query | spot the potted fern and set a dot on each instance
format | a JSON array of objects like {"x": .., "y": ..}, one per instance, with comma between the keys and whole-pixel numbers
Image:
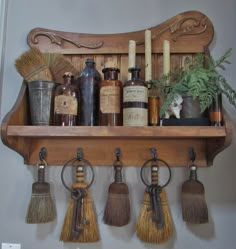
[{"x": 196, "y": 80}]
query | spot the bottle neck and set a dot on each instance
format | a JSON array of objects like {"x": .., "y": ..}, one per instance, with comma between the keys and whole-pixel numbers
[
  {"x": 67, "y": 81},
  {"x": 89, "y": 64},
  {"x": 135, "y": 75},
  {"x": 111, "y": 75}
]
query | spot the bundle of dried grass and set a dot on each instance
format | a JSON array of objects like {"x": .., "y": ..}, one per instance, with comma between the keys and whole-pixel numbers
[
  {"x": 32, "y": 66},
  {"x": 194, "y": 207}
]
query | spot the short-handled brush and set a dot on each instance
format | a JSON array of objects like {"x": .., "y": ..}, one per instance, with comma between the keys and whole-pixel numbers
[
  {"x": 32, "y": 66},
  {"x": 194, "y": 207},
  {"x": 80, "y": 223},
  {"x": 117, "y": 209},
  {"x": 154, "y": 223},
  {"x": 41, "y": 207}
]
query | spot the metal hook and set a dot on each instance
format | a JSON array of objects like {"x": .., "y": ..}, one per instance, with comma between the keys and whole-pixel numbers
[
  {"x": 80, "y": 154},
  {"x": 192, "y": 154},
  {"x": 42, "y": 154},
  {"x": 154, "y": 153},
  {"x": 117, "y": 152}
]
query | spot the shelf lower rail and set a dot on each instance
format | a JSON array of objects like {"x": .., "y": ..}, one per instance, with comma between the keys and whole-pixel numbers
[{"x": 99, "y": 143}]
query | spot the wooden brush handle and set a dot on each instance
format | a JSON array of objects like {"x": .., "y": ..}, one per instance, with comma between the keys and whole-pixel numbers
[
  {"x": 80, "y": 174},
  {"x": 154, "y": 174},
  {"x": 41, "y": 173},
  {"x": 118, "y": 175},
  {"x": 193, "y": 173}
]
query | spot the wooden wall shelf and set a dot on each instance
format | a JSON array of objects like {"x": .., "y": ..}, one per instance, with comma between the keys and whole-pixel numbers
[{"x": 99, "y": 143}]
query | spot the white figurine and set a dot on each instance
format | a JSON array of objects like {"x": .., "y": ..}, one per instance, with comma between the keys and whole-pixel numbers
[{"x": 175, "y": 107}]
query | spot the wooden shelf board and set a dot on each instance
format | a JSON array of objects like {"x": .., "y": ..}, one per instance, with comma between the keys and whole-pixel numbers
[{"x": 103, "y": 132}]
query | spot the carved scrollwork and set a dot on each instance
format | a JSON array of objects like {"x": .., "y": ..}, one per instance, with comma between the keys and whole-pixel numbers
[
  {"x": 188, "y": 26},
  {"x": 59, "y": 39},
  {"x": 182, "y": 27}
]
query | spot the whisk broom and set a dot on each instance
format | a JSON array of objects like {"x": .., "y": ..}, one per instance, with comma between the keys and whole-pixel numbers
[
  {"x": 80, "y": 223},
  {"x": 117, "y": 209},
  {"x": 59, "y": 66},
  {"x": 194, "y": 207},
  {"x": 41, "y": 207},
  {"x": 32, "y": 66},
  {"x": 154, "y": 223}
]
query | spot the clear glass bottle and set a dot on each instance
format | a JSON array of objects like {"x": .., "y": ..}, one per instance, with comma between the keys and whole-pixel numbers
[
  {"x": 135, "y": 100},
  {"x": 66, "y": 102},
  {"x": 88, "y": 84},
  {"x": 110, "y": 111}
]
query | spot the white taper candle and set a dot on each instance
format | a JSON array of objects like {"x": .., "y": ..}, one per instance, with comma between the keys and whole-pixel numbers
[
  {"x": 131, "y": 56},
  {"x": 166, "y": 57},
  {"x": 148, "y": 55}
]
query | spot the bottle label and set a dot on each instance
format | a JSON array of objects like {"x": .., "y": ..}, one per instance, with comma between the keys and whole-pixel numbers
[
  {"x": 135, "y": 117},
  {"x": 65, "y": 105},
  {"x": 135, "y": 94},
  {"x": 110, "y": 99}
]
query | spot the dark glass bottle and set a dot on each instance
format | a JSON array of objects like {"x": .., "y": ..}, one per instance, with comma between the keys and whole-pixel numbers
[
  {"x": 135, "y": 100},
  {"x": 110, "y": 111},
  {"x": 88, "y": 84},
  {"x": 66, "y": 103},
  {"x": 216, "y": 112}
]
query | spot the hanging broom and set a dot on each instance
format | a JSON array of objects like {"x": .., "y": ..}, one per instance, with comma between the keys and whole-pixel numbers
[
  {"x": 80, "y": 223},
  {"x": 32, "y": 66},
  {"x": 154, "y": 223},
  {"x": 117, "y": 209},
  {"x": 41, "y": 207},
  {"x": 194, "y": 207}
]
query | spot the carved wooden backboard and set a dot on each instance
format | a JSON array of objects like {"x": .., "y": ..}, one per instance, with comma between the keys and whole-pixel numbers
[{"x": 189, "y": 33}]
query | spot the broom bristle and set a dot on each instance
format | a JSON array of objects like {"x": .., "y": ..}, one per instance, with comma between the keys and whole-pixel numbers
[
  {"x": 50, "y": 58},
  {"x": 90, "y": 232},
  {"x": 60, "y": 66},
  {"x": 194, "y": 207},
  {"x": 41, "y": 207},
  {"x": 117, "y": 209},
  {"x": 146, "y": 228},
  {"x": 31, "y": 65}
]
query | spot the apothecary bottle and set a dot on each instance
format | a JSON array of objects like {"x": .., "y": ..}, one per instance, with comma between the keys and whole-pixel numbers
[
  {"x": 88, "y": 83},
  {"x": 135, "y": 100},
  {"x": 216, "y": 112},
  {"x": 66, "y": 102},
  {"x": 110, "y": 111}
]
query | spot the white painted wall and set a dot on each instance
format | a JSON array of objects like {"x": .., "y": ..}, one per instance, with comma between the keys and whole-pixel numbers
[
  {"x": 3, "y": 24},
  {"x": 110, "y": 16}
]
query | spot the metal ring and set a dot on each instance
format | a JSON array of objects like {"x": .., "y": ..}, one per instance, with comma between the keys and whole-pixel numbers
[
  {"x": 151, "y": 160},
  {"x": 87, "y": 163}
]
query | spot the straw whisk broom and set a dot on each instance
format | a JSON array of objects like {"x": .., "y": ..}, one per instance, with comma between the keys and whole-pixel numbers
[
  {"x": 117, "y": 208},
  {"x": 41, "y": 208},
  {"x": 59, "y": 65},
  {"x": 154, "y": 223},
  {"x": 194, "y": 207},
  {"x": 32, "y": 66},
  {"x": 80, "y": 223}
]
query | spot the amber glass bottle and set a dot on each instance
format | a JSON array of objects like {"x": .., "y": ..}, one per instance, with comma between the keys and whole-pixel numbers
[
  {"x": 66, "y": 104},
  {"x": 135, "y": 100},
  {"x": 216, "y": 112},
  {"x": 110, "y": 112},
  {"x": 88, "y": 84}
]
